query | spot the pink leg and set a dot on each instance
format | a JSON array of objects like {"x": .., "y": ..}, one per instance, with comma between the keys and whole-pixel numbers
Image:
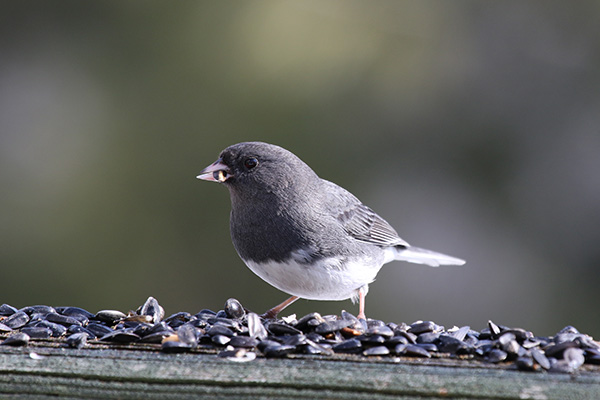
[
  {"x": 272, "y": 313},
  {"x": 361, "y": 305}
]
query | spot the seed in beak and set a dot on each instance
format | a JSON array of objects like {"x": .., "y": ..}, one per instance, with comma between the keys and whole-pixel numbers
[{"x": 220, "y": 175}]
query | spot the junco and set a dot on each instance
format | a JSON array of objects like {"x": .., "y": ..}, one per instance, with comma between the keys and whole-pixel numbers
[{"x": 302, "y": 234}]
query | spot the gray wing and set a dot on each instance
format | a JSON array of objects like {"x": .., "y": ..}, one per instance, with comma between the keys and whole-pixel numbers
[
  {"x": 365, "y": 225},
  {"x": 360, "y": 221}
]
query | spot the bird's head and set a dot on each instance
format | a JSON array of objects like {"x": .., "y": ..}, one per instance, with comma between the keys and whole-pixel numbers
[{"x": 257, "y": 167}]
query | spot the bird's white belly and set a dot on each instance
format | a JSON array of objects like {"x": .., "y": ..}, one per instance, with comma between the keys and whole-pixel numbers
[{"x": 326, "y": 279}]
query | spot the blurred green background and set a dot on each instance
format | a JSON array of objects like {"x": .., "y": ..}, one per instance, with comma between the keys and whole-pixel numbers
[{"x": 472, "y": 127}]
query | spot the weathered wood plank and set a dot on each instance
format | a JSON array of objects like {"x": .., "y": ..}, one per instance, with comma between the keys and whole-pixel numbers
[{"x": 118, "y": 374}]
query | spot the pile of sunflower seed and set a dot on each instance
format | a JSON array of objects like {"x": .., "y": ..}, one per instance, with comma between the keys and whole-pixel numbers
[{"x": 239, "y": 335}]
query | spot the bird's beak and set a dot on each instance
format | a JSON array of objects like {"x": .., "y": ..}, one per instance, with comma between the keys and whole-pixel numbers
[{"x": 215, "y": 172}]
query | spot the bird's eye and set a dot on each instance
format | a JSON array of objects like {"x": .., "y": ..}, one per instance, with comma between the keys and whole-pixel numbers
[{"x": 250, "y": 163}]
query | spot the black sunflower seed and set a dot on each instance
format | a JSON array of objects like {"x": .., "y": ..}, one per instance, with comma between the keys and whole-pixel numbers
[{"x": 16, "y": 339}]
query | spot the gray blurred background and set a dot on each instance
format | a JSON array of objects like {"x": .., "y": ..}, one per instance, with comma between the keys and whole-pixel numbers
[{"x": 472, "y": 127}]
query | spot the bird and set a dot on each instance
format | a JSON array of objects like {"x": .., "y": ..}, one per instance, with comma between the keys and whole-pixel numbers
[{"x": 302, "y": 234}]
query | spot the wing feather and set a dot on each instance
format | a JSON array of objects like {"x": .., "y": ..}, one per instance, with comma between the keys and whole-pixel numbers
[
  {"x": 366, "y": 225},
  {"x": 360, "y": 221}
]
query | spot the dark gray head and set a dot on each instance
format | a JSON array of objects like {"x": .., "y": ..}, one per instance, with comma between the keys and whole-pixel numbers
[
  {"x": 256, "y": 167},
  {"x": 273, "y": 194}
]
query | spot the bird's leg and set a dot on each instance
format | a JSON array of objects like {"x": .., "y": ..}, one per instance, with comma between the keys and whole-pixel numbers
[
  {"x": 272, "y": 313},
  {"x": 361, "y": 304}
]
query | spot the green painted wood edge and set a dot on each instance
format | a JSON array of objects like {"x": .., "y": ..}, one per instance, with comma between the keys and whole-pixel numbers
[{"x": 118, "y": 374}]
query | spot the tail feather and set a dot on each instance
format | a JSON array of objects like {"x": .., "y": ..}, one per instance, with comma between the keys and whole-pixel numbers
[{"x": 427, "y": 257}]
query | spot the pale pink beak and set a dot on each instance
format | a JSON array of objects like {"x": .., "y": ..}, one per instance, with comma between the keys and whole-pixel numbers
[{"x": 215, "y": 172}]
